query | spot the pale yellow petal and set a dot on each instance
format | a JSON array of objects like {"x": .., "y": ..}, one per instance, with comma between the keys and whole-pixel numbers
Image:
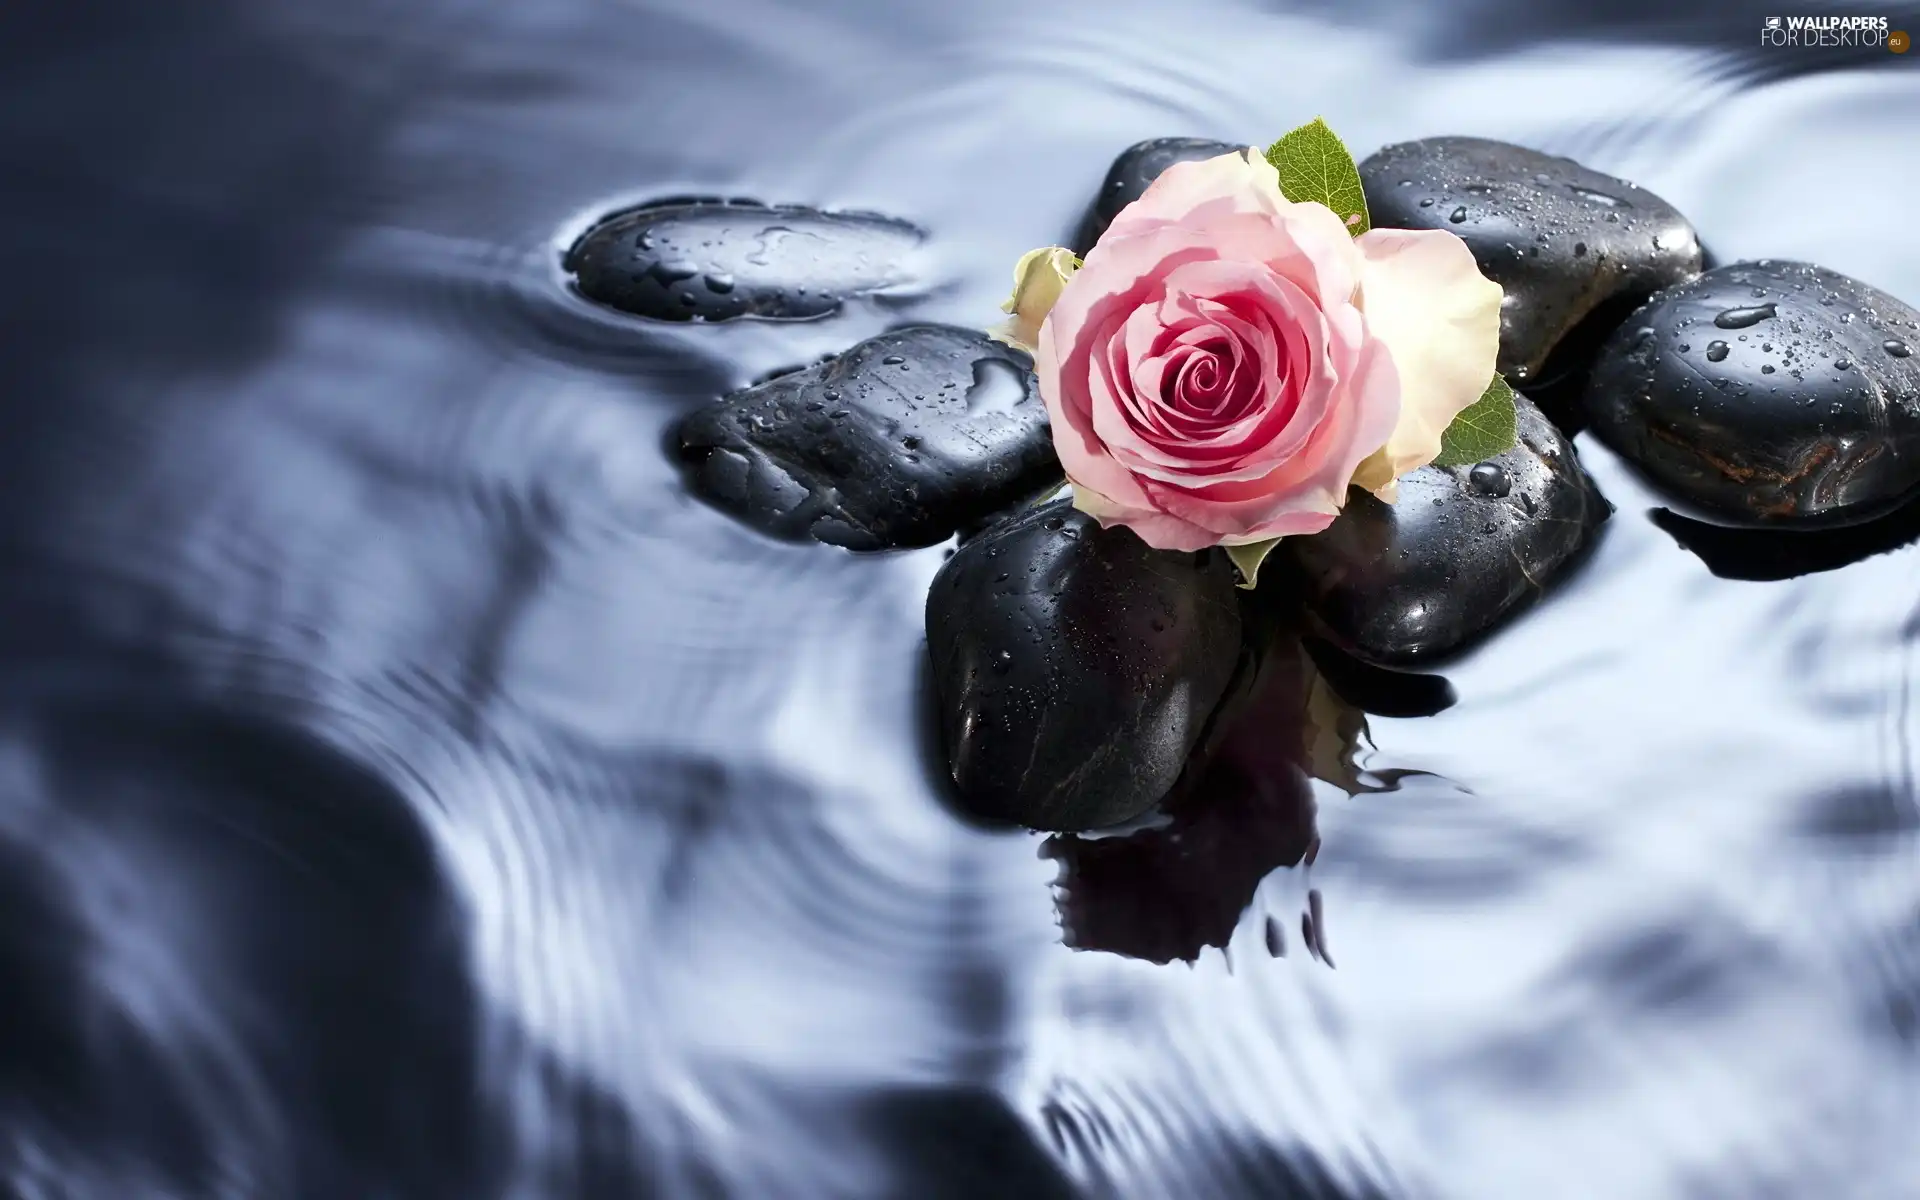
[
  {"x": 1038, "y": 279},
  {"x": 1424, "y": 296}
]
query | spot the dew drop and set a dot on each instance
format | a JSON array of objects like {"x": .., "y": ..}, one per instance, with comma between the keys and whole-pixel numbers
[
  {"x": 1895, "y": 347},
  {"x": 1716, "y": 351},
  {"x": 1842, "y": 364},
  {"x": 1743, "y": 318},
  {"x": 1427, "y": 203},
  {"x": 997, "y": 387},
  {"x": 1489, "y": 479},
  {"x": 1600, "y": 198},
  {"x": 1457, "y": 215}
]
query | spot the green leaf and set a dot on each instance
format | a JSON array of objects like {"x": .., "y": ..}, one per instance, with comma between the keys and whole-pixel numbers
[
  {"x": 1314, "y": 165},
  {"x": 1247, "y": 559},
  {"x": 1487, "y": 427}
]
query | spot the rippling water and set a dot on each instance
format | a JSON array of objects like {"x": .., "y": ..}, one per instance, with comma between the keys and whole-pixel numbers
[{"x": 406, "y": 790}]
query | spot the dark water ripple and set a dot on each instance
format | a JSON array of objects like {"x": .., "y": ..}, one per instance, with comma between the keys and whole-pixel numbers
[{"x": 407, "y": 790}]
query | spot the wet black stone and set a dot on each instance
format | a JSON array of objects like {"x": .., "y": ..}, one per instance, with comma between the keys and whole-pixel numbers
[
  {"x": 1569, "y": 245},
  {"x": 718, "y": 260},
  {"x": 1075, "y": 668},
  {"x": 1770, "y": 394},
  {"x": 899, "y": 441},
  {"x": 1403, "y": 584},
  {"x": 1139, "y": 165}
]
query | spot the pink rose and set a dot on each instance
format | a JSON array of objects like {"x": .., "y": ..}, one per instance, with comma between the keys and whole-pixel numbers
[{"x": 1227, "y": 362}]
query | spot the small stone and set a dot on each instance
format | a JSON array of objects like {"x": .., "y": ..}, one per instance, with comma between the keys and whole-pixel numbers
[
  {"x": 773, "y": 456},
  {"x": 718, "y": 260},
  {"x": 1608, "y": 244},
  {"x": 1398, "y": 585},
  {"x": 1137, "y": 167},
  {"x": 1096, "y": 710},
  {"x": 1837, "y": 440}
]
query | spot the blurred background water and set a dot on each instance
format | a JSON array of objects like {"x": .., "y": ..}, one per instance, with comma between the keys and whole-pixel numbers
[{"x": 408, "y": 791}]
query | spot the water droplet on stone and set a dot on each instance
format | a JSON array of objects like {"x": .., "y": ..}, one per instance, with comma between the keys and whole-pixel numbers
[
  {"x": 1489, "y": 479},
  {"x": 1600, "y": 198},
  {"x": 997, "y": 387},
  {"x": 1579, "y": 249},
  {"x": 1427, "y": 203},
  {"x": 1457, "y": 215},
  {"x": 1716, "y": 351},
  {"x": 1766, "y": 369},
  {"x": 1003, "y": 661},
  {"x": 1895, "y": 347},
  {"x": 1842, "y": 364},
  {"x": 719, "y": 282},
  {"x": 1742, "y": 318},
  {"x": 892, "y": 360}
]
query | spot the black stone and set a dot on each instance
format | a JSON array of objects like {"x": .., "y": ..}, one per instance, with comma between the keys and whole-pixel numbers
[
  {"x": 1075, "y": 668},
  {"x": 718, "y": 260},
  {"x": 1569, "y": 245},
  {"x": 897, "y": 442},
  {"x": 1138, "y": 166},
  {"x": 1402, "y": 584},
  {"x": 1770, "y": 393}
]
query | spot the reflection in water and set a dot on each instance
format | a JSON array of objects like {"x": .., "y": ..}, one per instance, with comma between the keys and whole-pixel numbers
[
  {"x": 409, "y": 790},
  {"x": 1764, "y": 554},
  {"x": 1246, "y": 810}
]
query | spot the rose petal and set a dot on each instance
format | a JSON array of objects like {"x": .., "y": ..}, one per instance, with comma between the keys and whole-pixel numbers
[
  {"x": 1188, "y": 193},
  {"x": 1424, "y": 296},
  {"x": 1038, "y": 279}
]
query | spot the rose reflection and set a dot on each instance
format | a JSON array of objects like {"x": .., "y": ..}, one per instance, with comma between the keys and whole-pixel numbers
[{"x": 1243, "y": 810}]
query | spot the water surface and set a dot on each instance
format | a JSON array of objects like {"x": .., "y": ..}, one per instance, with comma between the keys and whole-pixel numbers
[{"x": 410, "y": 791}]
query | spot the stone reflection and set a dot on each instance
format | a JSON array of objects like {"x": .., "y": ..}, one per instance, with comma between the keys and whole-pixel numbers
[{"x": 1243, "y": 809}]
